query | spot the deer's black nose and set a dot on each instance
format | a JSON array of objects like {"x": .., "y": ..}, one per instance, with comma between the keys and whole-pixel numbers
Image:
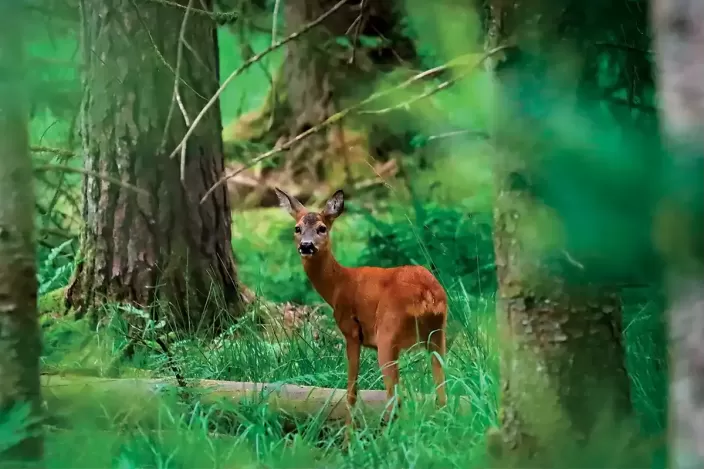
[{"x": 307, "y": 248}]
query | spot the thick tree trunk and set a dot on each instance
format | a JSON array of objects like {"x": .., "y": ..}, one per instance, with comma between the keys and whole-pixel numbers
[
  {"x": 20, "y": 343},
  {"x": 678, "y": 38},
  {"x": 157, "y": 244},
  {"x": 563, "y": 366}
]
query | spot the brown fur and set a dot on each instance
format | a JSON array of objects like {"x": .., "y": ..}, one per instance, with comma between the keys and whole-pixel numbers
[{"x": 387, "y": 309}]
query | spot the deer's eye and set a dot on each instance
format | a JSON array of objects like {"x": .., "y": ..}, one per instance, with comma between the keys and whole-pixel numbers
[
  {"x": 297, "y": 229},
  {"x": 322, "y": 229}
]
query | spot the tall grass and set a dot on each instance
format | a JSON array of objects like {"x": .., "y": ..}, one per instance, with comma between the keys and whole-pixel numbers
[{"x": 179, "y": 434}]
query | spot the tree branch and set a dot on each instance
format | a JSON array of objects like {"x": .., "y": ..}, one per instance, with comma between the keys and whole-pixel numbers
[
  {"x": 89, "y": 173},
  {"x": 248, "y": 64},
  {"x": 64, "y": 153},
  {"x": 341, "y": 114}
]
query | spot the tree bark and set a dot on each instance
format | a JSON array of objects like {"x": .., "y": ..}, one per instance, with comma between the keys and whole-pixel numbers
[
  {"x": 20, "y": 343},
  {"x": 320, "y": 79},
  {"x": 678, "y": 42},
  {"x": 563, "y": 367},
  {"x": 158, "y": 244}
]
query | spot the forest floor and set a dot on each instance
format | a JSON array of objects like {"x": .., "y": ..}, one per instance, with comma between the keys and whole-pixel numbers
[{"x": 120, "y": 428}]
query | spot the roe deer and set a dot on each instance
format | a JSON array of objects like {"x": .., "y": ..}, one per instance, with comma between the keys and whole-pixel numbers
[{"x": 379, "y": 308}]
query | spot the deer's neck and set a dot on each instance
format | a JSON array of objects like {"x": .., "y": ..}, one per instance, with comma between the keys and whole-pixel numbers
[{"x": 325, "y": 273}]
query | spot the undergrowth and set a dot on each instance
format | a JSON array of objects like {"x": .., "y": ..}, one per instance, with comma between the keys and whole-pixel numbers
[
  {"x": 178, "y": 433},
  {"x": 117, "y": 427}
]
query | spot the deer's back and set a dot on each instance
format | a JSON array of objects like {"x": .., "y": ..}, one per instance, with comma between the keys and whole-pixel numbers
[{"x": 378, "y": 297}]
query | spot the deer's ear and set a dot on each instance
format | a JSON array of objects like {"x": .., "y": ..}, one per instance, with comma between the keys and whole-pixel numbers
[
  {"x": 335, "y": 205},
  {"x": 290, "y": 204}
]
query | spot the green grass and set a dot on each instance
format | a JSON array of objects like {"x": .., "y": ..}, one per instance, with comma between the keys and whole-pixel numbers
[
  {"x": 252, "y": 432},
  {"x": 188, "y": 435}
]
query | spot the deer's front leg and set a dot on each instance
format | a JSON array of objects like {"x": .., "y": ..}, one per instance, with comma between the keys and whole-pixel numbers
[{"x": 352, "y": 351}]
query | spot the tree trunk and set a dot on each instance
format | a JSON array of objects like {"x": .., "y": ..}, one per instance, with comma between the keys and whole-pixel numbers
[
  {"x": 156, "y": 244},
  {"x": 563, "y": 366},
  {"x": 678, "y": 41},
  {"x": 20, "y": 343}
]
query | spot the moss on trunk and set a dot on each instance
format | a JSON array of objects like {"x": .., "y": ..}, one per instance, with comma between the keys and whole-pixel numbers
[{"x": 563, "y": 363}]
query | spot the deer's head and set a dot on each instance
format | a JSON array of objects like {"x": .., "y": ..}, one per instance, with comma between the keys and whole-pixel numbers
[{"x": 312, "y": 229}]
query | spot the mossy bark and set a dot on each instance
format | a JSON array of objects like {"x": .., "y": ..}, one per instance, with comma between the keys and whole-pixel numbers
[
  {"x": 161, "y": 244},
  {"x": 20, "y": 343},
  {"x": 562, "y": 365}
]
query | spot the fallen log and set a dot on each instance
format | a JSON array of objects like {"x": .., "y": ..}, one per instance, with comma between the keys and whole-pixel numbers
[{"x": 133, "y": 398}]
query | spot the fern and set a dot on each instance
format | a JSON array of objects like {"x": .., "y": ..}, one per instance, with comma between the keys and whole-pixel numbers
[{"x": 50, "y": 275}]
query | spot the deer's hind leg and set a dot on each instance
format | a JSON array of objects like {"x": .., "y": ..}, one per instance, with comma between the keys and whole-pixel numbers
[
  {"x": 437, "y": 346},
  {"x": 388, "y": 350},
  {"x": 388, "y": 356}
]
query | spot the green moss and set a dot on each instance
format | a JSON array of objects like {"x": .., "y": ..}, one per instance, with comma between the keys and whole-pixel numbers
[{"x": 52, "y": 303}]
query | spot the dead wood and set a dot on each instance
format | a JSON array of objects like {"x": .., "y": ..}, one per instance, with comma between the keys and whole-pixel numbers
[{"x": 141, "y": 395}]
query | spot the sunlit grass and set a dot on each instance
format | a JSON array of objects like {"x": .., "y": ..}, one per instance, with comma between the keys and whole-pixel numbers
[{"x": 235, "y": 436}]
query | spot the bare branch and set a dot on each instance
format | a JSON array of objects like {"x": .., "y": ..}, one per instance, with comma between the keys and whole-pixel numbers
[
  {"x": 248, "y": 64},
  {"x": 62, "y": 152},
  {"x": 89, "y": 173},
  {"x": 457, "y": 133},
  {"x": 358, "y": 28},
  {"x": 159, "y": 53},
  {"x": 45, "y": 231},
  {"x": 177, "y": 95},
  {"x": 341, "y": 114},
  {"x": 275, "y": 18},
  {"x": 216, "y": 16}
]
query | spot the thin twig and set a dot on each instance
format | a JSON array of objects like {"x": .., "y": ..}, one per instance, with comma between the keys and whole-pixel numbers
[
  {"x": 455, "y": 133},
  {"x": 43, "y": 230},
  {"x": 216, "y": 16},
  {"x": 171, "y": 362},
  {"x": 409, "y": 102},
  {"x": 61, "y": 192},
  {"x": 358, "y": 28},
  {"x": 177, "y": 95},
  {"x": 89, "y": 173},
  {"x": 56, "y": 151},
  {"x": 211, "y": 72},
  {"x": 341, "y": 114},
  {"x": 45, "y": 213},
  {"x": 183, "y": 148},
  {"x": 275, "y": 19},
  {"x": 248, "y": 64},
  {"x": 158, "y": 52},
  {"x": 177, "y": 77},
  {"x": 435, "y": 89}
]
